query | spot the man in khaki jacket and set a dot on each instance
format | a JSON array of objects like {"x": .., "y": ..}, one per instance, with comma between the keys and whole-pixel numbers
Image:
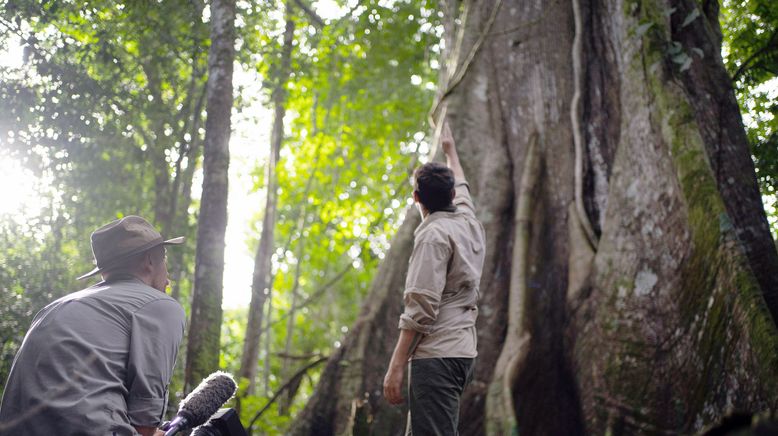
[{"x": 437, "y": 328}]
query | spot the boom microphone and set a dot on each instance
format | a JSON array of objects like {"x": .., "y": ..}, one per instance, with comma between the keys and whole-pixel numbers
[
  {"x": 224, "y": 423},
  {"x": 202, "y": 402}
]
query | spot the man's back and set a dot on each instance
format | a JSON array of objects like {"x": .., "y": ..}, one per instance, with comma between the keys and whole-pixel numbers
[
  {"x": 442, "y": 286},
  {"x": 93, "y": 362}
]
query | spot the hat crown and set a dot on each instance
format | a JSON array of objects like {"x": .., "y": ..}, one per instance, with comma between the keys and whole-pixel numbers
[{"x": 123, "y": 238}]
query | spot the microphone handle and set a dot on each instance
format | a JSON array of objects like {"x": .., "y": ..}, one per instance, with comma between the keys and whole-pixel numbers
[{"x": 177, "y": 424}]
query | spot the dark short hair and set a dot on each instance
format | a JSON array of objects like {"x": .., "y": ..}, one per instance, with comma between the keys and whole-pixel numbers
[{"x": 433, "y": 182}]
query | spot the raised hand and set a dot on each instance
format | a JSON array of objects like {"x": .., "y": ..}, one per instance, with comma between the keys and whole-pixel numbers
[
  {"x": 447, "y": 139},
  {"x": 450, "y": 150}
]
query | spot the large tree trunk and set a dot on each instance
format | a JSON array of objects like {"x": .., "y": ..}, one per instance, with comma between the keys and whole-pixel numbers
[
  {"x": 674, "y": 328},
  {"x": 261, "y": 278},
  {"x": 202, "y": 355},
  {"x": 629, "y": 260}
]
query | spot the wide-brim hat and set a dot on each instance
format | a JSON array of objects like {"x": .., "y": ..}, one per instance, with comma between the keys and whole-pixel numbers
[{"x": 121, "y": 239}]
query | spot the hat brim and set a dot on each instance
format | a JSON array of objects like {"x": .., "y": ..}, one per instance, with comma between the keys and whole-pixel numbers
[
  {"x": 174, "y": 241},
  {"x": 89, "y": 274}
]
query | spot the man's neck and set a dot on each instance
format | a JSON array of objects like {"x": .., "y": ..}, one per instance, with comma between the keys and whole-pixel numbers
[{"x": 116, "y": 277}]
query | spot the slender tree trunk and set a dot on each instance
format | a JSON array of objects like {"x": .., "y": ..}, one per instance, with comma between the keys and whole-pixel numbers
[
  {"x": 629, "y": 271},
  {"x": 180, "y": 208},
  {"x": 204, "y": 328},
  {"x": 268, "y": 338},
  {"x": 260, "y": 284},
  {"x": 261, "y": 280},
  {"x": 287, "y": 369}
]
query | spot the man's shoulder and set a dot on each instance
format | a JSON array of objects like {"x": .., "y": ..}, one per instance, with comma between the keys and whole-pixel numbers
[
  {"x": 445, "y": 222},
  {"x": 140, "y": 295},
  {"x": 436, "y": 231},
  {"x": 452, "y": 228},
  {"x": 133, "y": 294}
]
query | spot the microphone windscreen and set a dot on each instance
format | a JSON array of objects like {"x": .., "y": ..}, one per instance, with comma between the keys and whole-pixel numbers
[{"x": 208, "y": 397}]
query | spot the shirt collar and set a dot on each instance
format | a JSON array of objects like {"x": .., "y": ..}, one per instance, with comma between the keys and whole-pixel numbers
[{"x": 434, "y": 216}]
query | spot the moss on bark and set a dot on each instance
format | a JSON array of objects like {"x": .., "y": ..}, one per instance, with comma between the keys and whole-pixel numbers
[{"x": 685, "y": 349}]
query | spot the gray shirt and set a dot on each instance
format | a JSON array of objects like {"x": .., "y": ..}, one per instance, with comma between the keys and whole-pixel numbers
[
  {"x": 95, "y": 362},
  {"x": 441, "y": 289}
]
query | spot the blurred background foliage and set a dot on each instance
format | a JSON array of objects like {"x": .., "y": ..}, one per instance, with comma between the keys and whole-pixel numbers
[
  {"x": 104, "y": 116},
  {"x": 750, "y": 51}
]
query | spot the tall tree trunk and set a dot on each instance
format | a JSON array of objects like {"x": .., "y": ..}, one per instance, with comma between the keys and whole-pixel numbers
[
  {"x": 287, "y": 370},
  {"x": 202, "y": 355},
  {"x": 628, "y": 281},
  {"x": 261, "y": 280}
]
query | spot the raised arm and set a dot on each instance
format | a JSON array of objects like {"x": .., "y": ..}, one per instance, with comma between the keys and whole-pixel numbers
[{"x": 450, "y": 150}]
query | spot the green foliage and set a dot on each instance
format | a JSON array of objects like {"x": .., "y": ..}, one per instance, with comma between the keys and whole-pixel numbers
[
  {"x": 30, "y": 277},
  {"x": 750, "y": 48},
  {"x": 105, "y": 111},
  {"x": 103, "y": 103},
  {"x": 356, "y": 124}
]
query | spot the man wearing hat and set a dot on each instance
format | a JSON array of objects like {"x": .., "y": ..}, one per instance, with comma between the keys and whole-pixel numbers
[{"x": 99, "y": 361}]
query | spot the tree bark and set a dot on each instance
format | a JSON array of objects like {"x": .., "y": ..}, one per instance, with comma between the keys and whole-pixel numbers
[
  {"x": 629, "y": 275},
  {"x": 261, "y": 279},
  {"x": 203, "y": 346},
  {"x": 674, "y": 329}
]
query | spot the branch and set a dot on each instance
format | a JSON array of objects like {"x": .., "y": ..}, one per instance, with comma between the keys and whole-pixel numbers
[
  {"x": 326, "y": 286},
  {"x": 285, "y": 386},
  {"x": 299, "y": 357},
  {"x": 317, "y": 293},
  {"x": 744, "y": 66},
  {"x": 317, "y": 21}
]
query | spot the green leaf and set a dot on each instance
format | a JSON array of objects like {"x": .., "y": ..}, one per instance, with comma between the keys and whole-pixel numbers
[
  {"x": 674, "y": 48},
  {"x": 642, "y": 29},
  {"x": 684, "y": 60},
  {"x": 691, "y": 17}
]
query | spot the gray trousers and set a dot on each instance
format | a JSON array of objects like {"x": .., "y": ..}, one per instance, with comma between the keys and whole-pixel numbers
[{"x": 435, "y": 387}]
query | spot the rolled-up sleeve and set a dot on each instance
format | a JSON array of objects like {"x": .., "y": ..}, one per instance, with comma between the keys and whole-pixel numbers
[
  {"x": 462, "y": 195},
  {"x": 424, "y": 286},
  {"x": 157, "y": 329}
]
